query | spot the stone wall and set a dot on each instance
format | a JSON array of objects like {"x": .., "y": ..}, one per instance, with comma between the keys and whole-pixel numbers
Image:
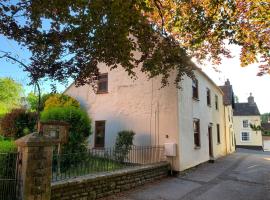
[{"x": 100, "y": 185}]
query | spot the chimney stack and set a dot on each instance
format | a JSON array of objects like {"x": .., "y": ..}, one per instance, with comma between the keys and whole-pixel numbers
[
  {"x": 251, "y": 99},
  {"x": 227, "y": 82}
]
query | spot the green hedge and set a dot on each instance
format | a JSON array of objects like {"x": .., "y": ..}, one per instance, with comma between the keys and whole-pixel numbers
[{"x": 80, "y": 125}]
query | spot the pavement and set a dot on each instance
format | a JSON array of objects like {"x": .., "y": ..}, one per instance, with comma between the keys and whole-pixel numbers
[{"x": 244, "y": 175}]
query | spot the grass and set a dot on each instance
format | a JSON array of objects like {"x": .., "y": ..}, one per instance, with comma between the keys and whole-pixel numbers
[{"x": 91, "y": 164}]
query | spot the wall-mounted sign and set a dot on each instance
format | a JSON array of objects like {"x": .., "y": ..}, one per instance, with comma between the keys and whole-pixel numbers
[{"x": 55, "y": 129}]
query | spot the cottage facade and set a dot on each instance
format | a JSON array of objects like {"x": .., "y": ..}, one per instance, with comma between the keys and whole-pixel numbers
[
  {"x": 246, "y": 114},
  {"x": 192, "y": 117}
]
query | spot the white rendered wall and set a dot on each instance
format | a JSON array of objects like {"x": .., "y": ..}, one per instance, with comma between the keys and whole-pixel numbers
[
  {"x": 140, "y": 105},
  {"x": 189, "y": 109}
]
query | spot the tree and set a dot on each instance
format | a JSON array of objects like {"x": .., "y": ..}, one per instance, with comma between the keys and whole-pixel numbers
[
  {"x": 265, "y": 117},
  {"x": 10, "y": 94},
  {"x": 33, "y": 99},
  {"x": 69, "y": 38},
  {"x": 60, "y": 100}
]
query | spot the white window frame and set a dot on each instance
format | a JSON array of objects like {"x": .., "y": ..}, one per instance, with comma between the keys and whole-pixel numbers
[
  {"x": 247, "y": 123},
  {"x": 248, "y": 136}
]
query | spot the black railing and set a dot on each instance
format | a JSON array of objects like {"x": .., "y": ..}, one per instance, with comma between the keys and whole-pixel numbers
[
  {"x": 8, "y": 176},
  {"x": 72, "y": 165}
]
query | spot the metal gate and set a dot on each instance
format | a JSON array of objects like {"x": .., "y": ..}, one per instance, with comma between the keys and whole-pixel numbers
[{"x": 10, "y": 165}]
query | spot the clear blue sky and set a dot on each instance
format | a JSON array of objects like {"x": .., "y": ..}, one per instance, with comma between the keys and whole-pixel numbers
[{"x": 14, "y": 71}]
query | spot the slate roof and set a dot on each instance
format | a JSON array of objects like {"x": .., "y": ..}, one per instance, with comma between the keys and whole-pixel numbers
[
  {"x": 246, "y": 109},
  {"x": 228, "y": 96},
  {"x": 266, "y": 126}
]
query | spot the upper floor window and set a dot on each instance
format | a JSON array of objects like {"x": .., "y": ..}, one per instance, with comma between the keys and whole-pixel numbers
[
  {"x": 196, "y": 129},
  {"x": 245, "y": 136},
  {"x": 195, "y": 89},
  {"x": 245, "y": 123},
  {"x": 218, "y": 134},
  {"x": 102, "y": 86},
  {"x": 208, "y": 96},
  {"x": 216, "y": 102}
]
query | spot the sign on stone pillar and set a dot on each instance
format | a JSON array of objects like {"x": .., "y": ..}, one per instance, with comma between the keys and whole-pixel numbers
[{"x": 36, "y": 169}]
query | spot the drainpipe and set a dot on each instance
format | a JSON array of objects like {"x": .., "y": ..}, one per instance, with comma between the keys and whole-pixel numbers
[{"x": 225, "y": 124}]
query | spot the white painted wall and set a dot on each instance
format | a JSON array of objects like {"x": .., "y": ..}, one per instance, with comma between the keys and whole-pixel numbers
[
  {"x": 157, "y": 115},
  {"x": 255, "y": 137},
  {"x": 140, "y": 105},
  {"x": 189, "y": 109}
]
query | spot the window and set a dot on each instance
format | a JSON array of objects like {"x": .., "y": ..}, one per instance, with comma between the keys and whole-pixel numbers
[
  {"x": 245, "y": 123},
  {"x": 196, "y": 128},
  {"x": 99, "y": 133},
  {"x": 208, "y": 95},
  {"x": 245, "y": 136},
  {"x": 218, "y": 134},
  {"x": 195, "y": 92},
  {"x": 216, "y": 102},
  {"x": 102, "y": 86}
]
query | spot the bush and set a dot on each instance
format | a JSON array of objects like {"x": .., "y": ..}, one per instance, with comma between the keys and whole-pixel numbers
[
  {"x": 18, "y": 123},
  {"x": 60, "y": 100},
  {"x": 123, "y": 144},
  {"x": 7, "y": 145},
  {"x": 80, "y": 126}
]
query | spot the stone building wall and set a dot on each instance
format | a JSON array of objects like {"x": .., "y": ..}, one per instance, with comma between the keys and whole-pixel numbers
[{"x": 105, "y": 184}]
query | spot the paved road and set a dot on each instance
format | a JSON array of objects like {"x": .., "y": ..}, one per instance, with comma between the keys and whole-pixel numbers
[{"x": 244, "y": 175}]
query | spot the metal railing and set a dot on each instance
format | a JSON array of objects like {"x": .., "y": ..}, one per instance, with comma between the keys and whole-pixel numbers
[
  {"x": 66, "y": 166},
  {"x": 9, "y": 176}
]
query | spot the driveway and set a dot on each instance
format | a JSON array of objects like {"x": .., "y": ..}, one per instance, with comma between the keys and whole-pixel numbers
[{"x": 244, "y": 175}]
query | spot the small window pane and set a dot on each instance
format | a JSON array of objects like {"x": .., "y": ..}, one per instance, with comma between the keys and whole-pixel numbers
[
  {"x": 245, "y": 136},
  {"x": 245, "y": 123},
  {"x": 208, "y": 94},
  {"x": 196, "y": 127},
  {"x": 195, "y": 92}
]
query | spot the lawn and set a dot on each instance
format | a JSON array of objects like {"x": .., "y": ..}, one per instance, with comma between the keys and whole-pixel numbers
[{"x": 91, "y": 164}]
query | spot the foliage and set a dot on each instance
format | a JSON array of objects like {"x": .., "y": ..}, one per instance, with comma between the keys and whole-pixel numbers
[
  {"x": 10, "y": 94},
  {"x": 60, "y": 100},
  {"x": 17, "y": 123},
  {"x": 255, "y": 127},
  {"x": 80, "y": 126},
  {"x": 265, "y": 117},
  {"x": 32, "y": 100},
  {"x": 123, "y": 144},
  {"x": 7, "y": 145},
  {"x": 69, "y": 38}
]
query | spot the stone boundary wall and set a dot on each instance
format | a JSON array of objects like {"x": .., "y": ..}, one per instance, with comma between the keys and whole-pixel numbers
[{"x": 104, "y": 184}]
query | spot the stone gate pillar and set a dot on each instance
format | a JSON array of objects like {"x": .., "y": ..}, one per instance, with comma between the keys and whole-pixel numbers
[{"x": 36, "y": 172}]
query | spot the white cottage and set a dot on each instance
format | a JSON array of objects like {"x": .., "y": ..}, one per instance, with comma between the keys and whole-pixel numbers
[{"x": 192, "y": 117}]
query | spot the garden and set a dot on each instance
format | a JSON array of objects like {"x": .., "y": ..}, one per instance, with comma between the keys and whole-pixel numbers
[{"x": 73, "y": 158}]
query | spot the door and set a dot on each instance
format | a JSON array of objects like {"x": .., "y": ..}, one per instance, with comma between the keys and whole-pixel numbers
[{"x": 210, "y": 141}]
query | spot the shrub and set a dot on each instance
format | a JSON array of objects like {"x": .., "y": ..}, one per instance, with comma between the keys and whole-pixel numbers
[
  {"x": 60, "y": 100},
  {"x": 123, "y": 144},
  {"x": 18, "y": 123},
  {"x": 7, "y": 145},
  {"x": 80, "y": 126}
]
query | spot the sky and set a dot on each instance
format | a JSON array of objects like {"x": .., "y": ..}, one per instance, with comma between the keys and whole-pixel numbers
[{"x": 244, "y": 80}]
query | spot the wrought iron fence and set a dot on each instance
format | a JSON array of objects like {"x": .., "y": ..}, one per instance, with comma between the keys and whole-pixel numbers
[
  {"x": 9, "y": 171},
  {"x": 67, "y": 166}
]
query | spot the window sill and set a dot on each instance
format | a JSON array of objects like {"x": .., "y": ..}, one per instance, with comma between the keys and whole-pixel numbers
[
  {"x": 209, "y": 105},
  {"x": 195, "y": 99},
  {"x": 105, "y": 92},
  {"x": 197, "y": 147}
]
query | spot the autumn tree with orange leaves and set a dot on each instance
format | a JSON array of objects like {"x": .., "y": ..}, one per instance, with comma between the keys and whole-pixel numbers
[{"x": 69, "y": 38}]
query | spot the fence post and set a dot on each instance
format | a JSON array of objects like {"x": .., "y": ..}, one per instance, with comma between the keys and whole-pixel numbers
[{"x": 36, "y": 166}]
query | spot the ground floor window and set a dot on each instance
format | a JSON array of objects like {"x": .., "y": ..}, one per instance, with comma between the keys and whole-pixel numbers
[
  {"x": 245, "y": 136},
  {"x": 99, "y": 133},
  {"x": 218, "y": 134}
]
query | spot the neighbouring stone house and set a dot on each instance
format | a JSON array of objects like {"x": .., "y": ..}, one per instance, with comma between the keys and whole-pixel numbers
[
  {"x": 246, "y": 114},
  {"x": 192, "y": 117}
]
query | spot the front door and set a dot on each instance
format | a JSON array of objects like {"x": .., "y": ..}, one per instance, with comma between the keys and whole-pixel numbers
[{"x": 210, "y": 141}]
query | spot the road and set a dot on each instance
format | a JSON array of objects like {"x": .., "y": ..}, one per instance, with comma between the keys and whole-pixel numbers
[{"x": 244, "y": 175}]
